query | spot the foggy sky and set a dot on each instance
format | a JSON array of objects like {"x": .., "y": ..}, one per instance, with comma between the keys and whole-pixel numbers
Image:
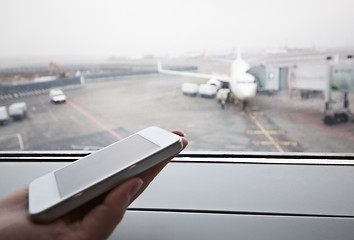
[{"x": 118, "y": 28}]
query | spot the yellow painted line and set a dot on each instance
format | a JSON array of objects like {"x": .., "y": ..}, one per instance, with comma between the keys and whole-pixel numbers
[
  {"x": 254, "y": 113},
  {"x": 270, "y": 138},
  {"x": 272, "y": 132},
  {"x": 284, "y": 143}
]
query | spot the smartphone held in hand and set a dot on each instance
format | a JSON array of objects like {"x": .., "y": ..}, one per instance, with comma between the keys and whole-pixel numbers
[{"x": 58, "y": 192}]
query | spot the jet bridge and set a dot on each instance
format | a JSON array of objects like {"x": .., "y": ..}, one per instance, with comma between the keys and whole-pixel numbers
[
  {"x": 224, "y": 195},
  {"x": 340, "y": 79}
]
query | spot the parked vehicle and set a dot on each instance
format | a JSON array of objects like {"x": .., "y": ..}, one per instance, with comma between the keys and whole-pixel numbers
[
  {"x": 57, "y": 96},
  {"x": 18, "y": 110},
  {"x": 190, "y": 89},
  {"x": 206, "y": 90},
  {"x": 4, "y": 117}
]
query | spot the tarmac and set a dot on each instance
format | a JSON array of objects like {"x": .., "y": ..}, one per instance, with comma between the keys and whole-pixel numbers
[{"x": 104, "y": 111}]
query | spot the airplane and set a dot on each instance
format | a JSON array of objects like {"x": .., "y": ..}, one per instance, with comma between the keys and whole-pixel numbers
[{"x": 241, "y": 83}]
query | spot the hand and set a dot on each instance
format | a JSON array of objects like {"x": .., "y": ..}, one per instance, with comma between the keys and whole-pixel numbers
[{"x": 95, "y": 220}]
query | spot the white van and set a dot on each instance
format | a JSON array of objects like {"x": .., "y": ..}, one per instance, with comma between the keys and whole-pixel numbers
[
  {"x": 4, "y": 117},
  {"x": 57, "y": 96},
  {"x": 206, "y": 90},
  {"x": 18, "y": 110},
  {"x": 190, "y": 89}
]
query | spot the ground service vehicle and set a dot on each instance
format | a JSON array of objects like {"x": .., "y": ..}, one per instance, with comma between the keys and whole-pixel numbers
[
  {"x": 18, "y": 110},
  {"x": 57, "y": 96},
  {"x": 4, "y": 117}
]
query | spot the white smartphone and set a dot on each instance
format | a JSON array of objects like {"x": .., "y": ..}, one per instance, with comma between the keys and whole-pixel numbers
[{"x": 61, "y": 191}]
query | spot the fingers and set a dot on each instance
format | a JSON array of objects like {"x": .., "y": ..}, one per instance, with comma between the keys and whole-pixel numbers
[
  {"x": 179, "y": 133},
  {"x": 151, "y": 173},
  {"x": 184, "y": 140},
  {"x": 18, "y": 199},
  {"x": 101, "y": 220},
  {"x": 104, "y": 218}
]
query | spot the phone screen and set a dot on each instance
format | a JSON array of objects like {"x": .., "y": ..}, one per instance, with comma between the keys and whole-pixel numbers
[{"x": 102, "y": 164}]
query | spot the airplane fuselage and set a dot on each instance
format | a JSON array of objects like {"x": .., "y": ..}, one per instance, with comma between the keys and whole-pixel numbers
[{"x": 242, "y": 84}]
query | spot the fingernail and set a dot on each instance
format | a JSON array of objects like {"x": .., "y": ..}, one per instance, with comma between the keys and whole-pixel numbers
[{"x": 137, "y": 185}]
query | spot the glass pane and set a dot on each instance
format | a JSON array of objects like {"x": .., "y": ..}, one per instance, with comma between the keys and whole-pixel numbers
[{"x": 264, "y": 76}]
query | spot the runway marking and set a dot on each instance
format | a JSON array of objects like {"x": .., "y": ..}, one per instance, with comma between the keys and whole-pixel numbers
[
  {"x": 81, "y": 110},
  {"x": 19, "y": 138},
  {"x": 238, "y": 108},
  {"x": 254, "y": 113},
  {"x": 20, "y": 141},
  {"x": 271, "y": 132},
  {"x": 263, "y": 130},
  {"x": 284, "y": 143}
]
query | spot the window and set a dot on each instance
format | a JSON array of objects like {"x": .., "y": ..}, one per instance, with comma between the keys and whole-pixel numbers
[{"x": 263, "y": 76}]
